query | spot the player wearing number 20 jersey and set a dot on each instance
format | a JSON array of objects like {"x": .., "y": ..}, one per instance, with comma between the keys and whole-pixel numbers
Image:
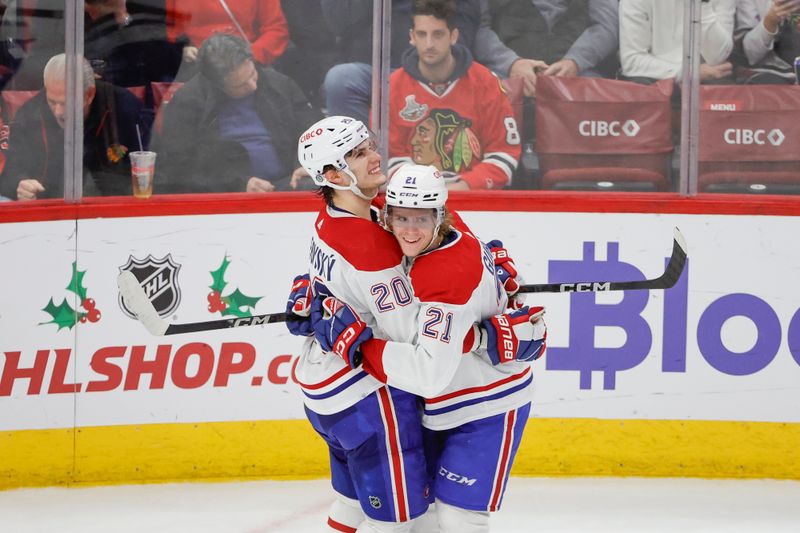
[{"x": 373, "y": 431}]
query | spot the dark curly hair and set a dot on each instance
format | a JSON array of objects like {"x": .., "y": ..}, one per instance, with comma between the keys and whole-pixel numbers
[{"x": 441, "y": 9}]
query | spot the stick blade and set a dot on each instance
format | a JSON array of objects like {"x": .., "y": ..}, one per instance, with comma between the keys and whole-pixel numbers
[
  {"x": 680, "y": 240},
  {"x": 138, "y": 302}
]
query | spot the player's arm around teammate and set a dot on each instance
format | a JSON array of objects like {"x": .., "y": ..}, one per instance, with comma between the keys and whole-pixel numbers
[{"x": 455, "y": 285}]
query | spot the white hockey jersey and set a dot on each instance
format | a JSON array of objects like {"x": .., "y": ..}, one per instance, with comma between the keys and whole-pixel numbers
[
  {"x": 360, "y": 263},
  {"x": 454, "y": 286}
]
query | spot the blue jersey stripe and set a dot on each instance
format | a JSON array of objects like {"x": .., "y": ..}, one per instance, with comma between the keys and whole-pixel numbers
[
  {"x": 467, "y": 403},
  {"x": 358, "y": 377}
]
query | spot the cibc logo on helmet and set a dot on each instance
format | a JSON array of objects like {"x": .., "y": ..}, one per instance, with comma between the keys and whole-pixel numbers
[{"x": 310, "y": 134}]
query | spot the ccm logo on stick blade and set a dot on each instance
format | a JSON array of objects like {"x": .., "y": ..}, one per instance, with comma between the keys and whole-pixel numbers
[{"x": 586, "y": 287}]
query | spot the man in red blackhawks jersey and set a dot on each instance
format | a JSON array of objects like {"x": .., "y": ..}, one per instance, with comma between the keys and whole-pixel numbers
[{"x": 447, "y": 110}]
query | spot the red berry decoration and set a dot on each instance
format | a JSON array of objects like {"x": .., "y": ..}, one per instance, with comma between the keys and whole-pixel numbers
[
  {"x": 215, "y": 302},
  {"x": 94, "y": 315},
  {"x": 88, "y": 304},
  {"x": 83, "y": 320}
]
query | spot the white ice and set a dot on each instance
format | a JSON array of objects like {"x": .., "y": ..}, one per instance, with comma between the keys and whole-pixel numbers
[{"x": 537, "y": 505}]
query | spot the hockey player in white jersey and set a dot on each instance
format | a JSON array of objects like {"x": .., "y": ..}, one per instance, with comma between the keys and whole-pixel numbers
[
  {"x": 373, "y": 431},
  {"x": 475, "y": 408}
]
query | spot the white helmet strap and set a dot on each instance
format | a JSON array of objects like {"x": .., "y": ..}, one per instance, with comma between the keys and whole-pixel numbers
[{"x": 353, "y": 186}]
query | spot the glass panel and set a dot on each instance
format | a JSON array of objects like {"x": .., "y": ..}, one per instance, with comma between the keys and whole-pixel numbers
[
  {"x": 750, "y": 119},
  {"x": 558, "y": 121},
  {"x": 219, "y": 118},
  {"x": 32, "y": 129}
]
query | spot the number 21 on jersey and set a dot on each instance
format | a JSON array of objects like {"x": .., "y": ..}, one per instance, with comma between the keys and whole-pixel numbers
[{"x": 438, "y": 324}]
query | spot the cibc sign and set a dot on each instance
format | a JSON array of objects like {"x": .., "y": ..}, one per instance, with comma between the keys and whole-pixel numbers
[{"x": 734, "y": 131}]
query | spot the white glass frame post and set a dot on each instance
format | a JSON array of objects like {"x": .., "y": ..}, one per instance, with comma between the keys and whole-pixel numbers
[
  {"x": 73, "y": 130},
  {"x": 690, "y": 98},
  {"x": 381, "y": 63}
]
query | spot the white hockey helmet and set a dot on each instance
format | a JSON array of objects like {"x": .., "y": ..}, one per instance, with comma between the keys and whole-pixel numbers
[
  {"x": 417, "y": 186},
  {"x": 326, "y": 143}
]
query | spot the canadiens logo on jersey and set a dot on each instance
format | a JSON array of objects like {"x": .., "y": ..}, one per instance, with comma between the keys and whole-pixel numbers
[
  {"x": 413, "y": 111},
  {"x": 159, "y": 279},
  {"x": 444, "y": 139}
]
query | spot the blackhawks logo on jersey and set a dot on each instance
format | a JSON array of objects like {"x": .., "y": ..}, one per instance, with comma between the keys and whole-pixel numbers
[{"x": 445, "y": 140}]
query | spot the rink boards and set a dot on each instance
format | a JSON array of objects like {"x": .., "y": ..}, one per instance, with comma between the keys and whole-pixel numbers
[{"x": 700, "y": 380}]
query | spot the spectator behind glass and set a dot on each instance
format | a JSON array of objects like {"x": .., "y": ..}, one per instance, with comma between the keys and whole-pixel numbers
[
  {"x": 260, "y": 22},
  {"x": 651, "y": 39},
  {"x": 128, "y": 49},
  {"x": 35, "y": 158},
  {"x": 447, "y": 110},
  {"x": 569, "y": 38},
  {"x": 348, "y": 85},
  {"x": 233, "y": 127},
  {"x": 767, "y": 39},
  {"x": 32, "y": 32},
  {"x": 312, "y": 48}
]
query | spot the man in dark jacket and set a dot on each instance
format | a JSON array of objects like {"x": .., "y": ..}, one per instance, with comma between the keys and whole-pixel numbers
[
  {"x": 128, "y": 48},
  {"x": 233, "y": 127},
  {"x": 35, "y": 158}
]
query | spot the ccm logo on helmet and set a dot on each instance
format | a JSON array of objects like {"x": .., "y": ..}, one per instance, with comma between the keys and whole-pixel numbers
[
  {"x": 310, "y": 134},
  {"x": 759, "y": 137},
  {"x": 602, "y": 128}
]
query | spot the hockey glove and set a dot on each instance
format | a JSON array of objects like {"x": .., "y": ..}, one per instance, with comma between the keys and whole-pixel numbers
[
  {"x": 506, "y": 272},
  {"x": 520, "y": 335},
  {"x": 298, "y": 307},
  {"x": 339, "y": 329}
]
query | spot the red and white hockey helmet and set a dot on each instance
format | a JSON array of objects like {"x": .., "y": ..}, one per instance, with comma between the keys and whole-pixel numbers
[{"x": 326, "y": 143}]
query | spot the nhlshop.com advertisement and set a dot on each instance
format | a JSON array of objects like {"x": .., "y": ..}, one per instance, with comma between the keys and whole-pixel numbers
[{"x": 723, "y": 344}]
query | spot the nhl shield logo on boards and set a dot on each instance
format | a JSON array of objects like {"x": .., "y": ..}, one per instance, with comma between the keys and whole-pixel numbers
[{"x": 159, "y": 279}]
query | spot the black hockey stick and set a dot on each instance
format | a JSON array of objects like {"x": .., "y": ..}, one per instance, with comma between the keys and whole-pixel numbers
[
  {"x": 138, "y": 302},
  {"x": 666, "y": 280}
]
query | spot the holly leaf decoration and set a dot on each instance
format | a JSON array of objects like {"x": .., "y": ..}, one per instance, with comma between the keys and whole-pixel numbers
[
  {"x": 64, "y": 316},
  {"x": 239, "y": 304},
  {"x": 218, "y": 276},
  {"x": 76, "y": 282}
]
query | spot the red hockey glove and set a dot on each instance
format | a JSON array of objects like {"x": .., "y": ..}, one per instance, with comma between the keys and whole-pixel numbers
[
  {"x": 339, "y": 329},
  {"x": 517, "y": 336},
  {"x": 506, "y": 272},
  {"x": 298, "y": 307}
]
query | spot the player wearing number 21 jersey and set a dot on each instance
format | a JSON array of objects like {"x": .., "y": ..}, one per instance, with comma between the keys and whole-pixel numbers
[{"x": 475, "y": 404}]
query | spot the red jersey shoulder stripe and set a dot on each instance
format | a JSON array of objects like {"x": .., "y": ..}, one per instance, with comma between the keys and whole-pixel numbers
[
  {"x": 449, "y": 274},
  {"x": 362, "y": 243}
]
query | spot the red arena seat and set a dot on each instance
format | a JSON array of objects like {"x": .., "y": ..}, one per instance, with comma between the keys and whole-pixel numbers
[
  {"x": 600, "y": 134},
  {"x": 749, "y": 139}
]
